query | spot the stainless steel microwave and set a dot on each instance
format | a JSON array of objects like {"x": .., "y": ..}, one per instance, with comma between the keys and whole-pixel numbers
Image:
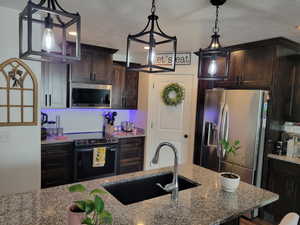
[{"x": 84, "y": 95}]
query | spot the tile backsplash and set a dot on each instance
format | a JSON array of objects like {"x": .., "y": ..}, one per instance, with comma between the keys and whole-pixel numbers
[{"x": 86, "y": 120}]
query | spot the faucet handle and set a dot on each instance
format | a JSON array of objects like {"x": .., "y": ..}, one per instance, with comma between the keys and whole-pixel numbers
[
  {"x": 159, "y": 185},
  {"x": 168, "y": 188}
]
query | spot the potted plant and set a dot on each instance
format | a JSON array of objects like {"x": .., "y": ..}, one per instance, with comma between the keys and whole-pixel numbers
[
  {"x": 229, "y": 181},
  {"x": 88, "y": 211}
]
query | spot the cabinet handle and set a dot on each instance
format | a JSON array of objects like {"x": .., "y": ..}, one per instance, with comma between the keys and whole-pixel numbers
[
  {"x": 46, "y": 100},
  {"x": 50, "y": 100}
]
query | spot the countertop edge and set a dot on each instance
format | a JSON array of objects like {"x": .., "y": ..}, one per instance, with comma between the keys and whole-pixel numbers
[{"x": 285, "y": 158}]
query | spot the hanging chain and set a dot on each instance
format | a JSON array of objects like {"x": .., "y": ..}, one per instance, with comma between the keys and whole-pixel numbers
[
  {"x": 216, "y": 28},
  {"x": 153, "y": 9}
]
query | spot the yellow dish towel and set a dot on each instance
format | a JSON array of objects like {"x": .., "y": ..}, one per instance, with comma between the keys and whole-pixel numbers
[{"x": 99, "y": 155}]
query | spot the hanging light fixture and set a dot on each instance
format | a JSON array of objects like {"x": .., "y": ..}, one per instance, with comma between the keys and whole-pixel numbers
[
  {"x": 150, "y": 41},
  {"x": 214, "y": 60},
  {"x": 56, "y": 24}
]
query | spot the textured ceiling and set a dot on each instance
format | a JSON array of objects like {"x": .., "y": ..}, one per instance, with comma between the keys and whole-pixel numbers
[{"x": 108, "y": 22}]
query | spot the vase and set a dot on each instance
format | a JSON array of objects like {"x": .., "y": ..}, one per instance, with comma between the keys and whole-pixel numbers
[
  {"x": 74, "y": 217},
  {"x": 229, "y": 181}
]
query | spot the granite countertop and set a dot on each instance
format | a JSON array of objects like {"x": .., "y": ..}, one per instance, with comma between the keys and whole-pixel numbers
[
  {"x": 295, "y": 160},
  {"x": 67, "y": 138},
  {"x": 206, "y": 204}
]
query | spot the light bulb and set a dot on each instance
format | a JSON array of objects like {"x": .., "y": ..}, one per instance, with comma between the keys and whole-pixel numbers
[
  {"x": 212, "y": 68},
  {"x": 48, "y": 41},
  {"x": 153, "y": 55}
]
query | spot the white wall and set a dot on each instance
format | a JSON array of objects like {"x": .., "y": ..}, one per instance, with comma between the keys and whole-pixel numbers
[
  {"x": 19, "y": 146},
  {"x": 86, "y": 120}
]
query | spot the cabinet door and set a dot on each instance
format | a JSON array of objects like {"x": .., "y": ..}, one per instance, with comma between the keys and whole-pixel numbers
[
  {"x": 131, "y": 88},
  {"x": 102, "y": 64},
  {"x": 258, "y": 69},
  {"x": 54, "y": 85},
  {"x": 236, "y": 66},
  {"x": 294, "y": 108},
  {"x": 284, "y": 180},
  {"x": 118, "y": 82},
  {"x": 57, "y": 164},
  {"x": 45, "y": 85},
  {"x": 131, "y": 155},
  {"x": 81, "y": 71},
  {"x": 57, "y": 85}
]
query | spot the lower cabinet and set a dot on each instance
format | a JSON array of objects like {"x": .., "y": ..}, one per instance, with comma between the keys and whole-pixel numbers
[
  {"x": 131, "y": 155},
  {"x": 57, "y": 161},
  {"x": 284, "y": 179},
  {"x": 57, "y": 164}
]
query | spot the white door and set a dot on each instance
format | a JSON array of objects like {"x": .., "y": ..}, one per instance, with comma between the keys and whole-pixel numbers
[{"x": 169, "y": 123}]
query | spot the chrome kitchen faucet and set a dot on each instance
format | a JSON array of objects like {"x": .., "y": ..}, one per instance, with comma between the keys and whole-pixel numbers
[{"x": 172, "y": 187}]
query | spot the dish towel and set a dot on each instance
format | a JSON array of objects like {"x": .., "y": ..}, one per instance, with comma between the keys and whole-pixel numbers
[{"x": 99, "y": 155}]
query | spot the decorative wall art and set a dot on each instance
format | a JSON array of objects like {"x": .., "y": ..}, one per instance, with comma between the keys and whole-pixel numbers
[
  {"x": 18, "y": 94},
  {"x": 173, "y": 94}
]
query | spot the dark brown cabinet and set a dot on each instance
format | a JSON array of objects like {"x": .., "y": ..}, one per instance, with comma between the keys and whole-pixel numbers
[
  {"x": 131, "y": 155},
  {"x": 95, "y": 65},
  {"x": 125, "y": 88},
  {"x": 56, "y": 164},
  {"x": 284, "y": 180},
  {"x": 294, "y": 103},
  {"x": 250, "y": 68}
]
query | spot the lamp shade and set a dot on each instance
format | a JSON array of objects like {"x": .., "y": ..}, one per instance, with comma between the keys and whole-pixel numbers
[
  {"x": 145, "y": 46},
  {"x": 54, "y": 24}
]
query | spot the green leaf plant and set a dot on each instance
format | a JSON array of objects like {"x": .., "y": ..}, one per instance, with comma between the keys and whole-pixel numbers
[
  {"x": 93, "y": 208},
  {"x": 230, "y": 148}
]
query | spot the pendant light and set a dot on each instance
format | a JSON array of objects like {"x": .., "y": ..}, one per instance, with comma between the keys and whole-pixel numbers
[
  {"x": 150, "y": 41},
  {"x": 56, "y": 23},
  {"x": 214, "y": 60}
]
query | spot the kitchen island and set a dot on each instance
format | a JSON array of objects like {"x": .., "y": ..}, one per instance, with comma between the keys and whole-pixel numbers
[{"x": 205, "y": 204}]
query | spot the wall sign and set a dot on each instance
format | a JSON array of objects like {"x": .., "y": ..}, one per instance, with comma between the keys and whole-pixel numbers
[{"x": 167, "y": 58}]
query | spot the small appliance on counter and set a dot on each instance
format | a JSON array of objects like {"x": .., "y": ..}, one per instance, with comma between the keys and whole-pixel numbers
[
  {"x": 292, "y": 144},
  {"x": 127, "y": 126}
]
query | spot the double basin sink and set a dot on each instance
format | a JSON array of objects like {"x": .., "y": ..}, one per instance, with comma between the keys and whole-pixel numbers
[{"x": 144, "y": 188}]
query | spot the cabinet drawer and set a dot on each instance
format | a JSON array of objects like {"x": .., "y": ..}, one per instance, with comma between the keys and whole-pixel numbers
[
  {"x": 132, "y": 140},
  {"x": 131, "y": 166},
  {"x": 133, "y": 152}
]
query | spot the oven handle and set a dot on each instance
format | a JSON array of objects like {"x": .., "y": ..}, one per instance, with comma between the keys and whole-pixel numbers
[{"x": 112, "y": 149}]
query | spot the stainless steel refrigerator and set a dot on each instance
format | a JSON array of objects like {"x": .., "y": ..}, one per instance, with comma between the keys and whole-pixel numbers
[{"x": 235, "y": 115}]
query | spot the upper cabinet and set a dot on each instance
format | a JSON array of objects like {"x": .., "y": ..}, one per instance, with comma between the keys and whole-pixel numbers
[
  {"x": 250, "y": 68},
  {"x": 294, "y": 104},
  {"x": 95, "y": 65},
  {"x": 124, "y": 88},
  {"x": 54, "y": 85}
]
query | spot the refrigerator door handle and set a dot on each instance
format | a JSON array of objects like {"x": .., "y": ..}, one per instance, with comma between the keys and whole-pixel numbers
[
  {"x": 224, "y": 128},
  {"x": 220, "y": 131}
]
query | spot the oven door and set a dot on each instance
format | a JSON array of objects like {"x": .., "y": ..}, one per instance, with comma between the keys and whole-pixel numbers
[
  {"x": 90, "y": 95},
  {"x": 84, "y": 169}
]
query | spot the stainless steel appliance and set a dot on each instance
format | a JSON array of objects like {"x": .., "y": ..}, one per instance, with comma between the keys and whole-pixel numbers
[
  {"x": 235, "y": 115},
  {"x": 127, "y": 126},
  {"x": 86, "y": 95},
  {"x": 83, "y": 158}
]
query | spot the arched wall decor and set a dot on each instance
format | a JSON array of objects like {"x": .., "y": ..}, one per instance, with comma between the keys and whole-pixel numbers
[{"x": 18, "y": 94}]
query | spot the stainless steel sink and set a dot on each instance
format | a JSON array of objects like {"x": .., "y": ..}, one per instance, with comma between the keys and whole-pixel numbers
[{"x": 136, "y": 190}]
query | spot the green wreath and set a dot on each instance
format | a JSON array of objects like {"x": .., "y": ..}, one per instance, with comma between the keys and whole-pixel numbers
[{"x": 171, "y": 89}]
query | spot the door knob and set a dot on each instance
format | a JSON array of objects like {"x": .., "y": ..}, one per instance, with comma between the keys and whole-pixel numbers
[{"x": 186, "y": 136}]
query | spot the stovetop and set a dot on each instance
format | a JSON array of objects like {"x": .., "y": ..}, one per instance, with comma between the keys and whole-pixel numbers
[{"x": 89, "y": 139}]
